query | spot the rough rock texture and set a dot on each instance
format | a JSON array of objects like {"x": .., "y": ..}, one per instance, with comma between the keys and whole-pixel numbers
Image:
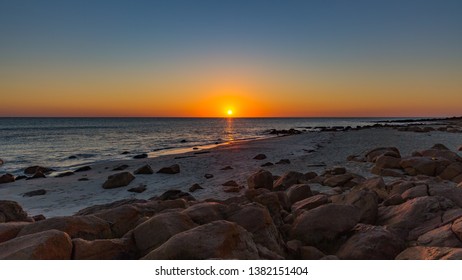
[
  {"x": 371, "y": 243},
  {"x": 320, "y": 227},
  {"x": 260, "y": 179},
  {"x": 338, "y": 180},
  {"x": 118, "y": 180},
  {"x": 365, "y": 200},
  {"x": 287, "y": 180},
  {"x": 206, "y": 212},
  {"x": 310, "y": 203},
  {"x": 216, "y": 240},
  {"x": 10, "y": 230},
  {"x": 430, "y": 253},
  {"x": 6, "y": 178},
  {"x": 145, "y": 169},
  {"x": 440, "y": 237},
  {"x": 298, "y": 192},
  {"x": 86, "y": 227},
  {"x": 155, "y": 231},
  {"x": 173, "y": 169},
  {"x": 102, "y": 249},
  {"x": 11, "y": 211},
  {"x": 47, "y": 245},
  {"x": 374, "y": 184}
]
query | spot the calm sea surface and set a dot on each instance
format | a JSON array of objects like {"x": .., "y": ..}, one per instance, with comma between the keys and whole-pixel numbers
[{"x": 62, "y": 143}]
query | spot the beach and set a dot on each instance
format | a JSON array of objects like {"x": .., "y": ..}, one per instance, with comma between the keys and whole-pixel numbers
[{"x": 331, "y": 165}]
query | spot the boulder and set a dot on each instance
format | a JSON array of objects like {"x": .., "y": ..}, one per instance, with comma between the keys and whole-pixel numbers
[
  {"x": 216, "y": 240},
  {"x": 34, "y": 169},
  {"x": 141, "y": 188},
  {"x": 310, "y": 253},
  {"x": 257, "y": 220},
  {"x": 266, "y": 164},
  {"x": 85, "y": 227},
  {"x": 64, "y": 174},
  {"x": 423, "y": 165},
  {"x": 102, "y": 207},
  {"x": 35, "y": 193},
  {"x": 158, "y": 229},
  {"x": 121, "y": 219},
  {"x": 375, "y": 184},
  {"x": 102, "y": 249},
  {"x": 430, "y": 253},
  {"x": 322, "y": 226},
  {"x": 414, "y": 217},
  {"x": 298, "y": 192},
  {"x": 118, "y": 180},
  {"x": 369, "y": 242},
  {"x": 394, "y": 199},
  {"x": 438, "y": 153},
  {"x": 260, "y": 157},
  {"x": 195, "y": 187},
  {"x": 440, "y": 237},
  {"x": 372, "y": 155},
  {"x": 227, "y": 168},
  {"x": 173, "y": 169},
  {"x": 460, "y": 148},
  {"x": 10, "y": 230},
  {"x": 440, "y": 146},
  {"x": 417, "y": 191},
  {"x": 230, "y": 183},
  {"x": 310, "y": 203},
  {"x": 37, "y": 175},
  {"x": 287, "y": 180},
  {"x": 448, "y": 191},
  {"x": 453, "y": 170},
  {"x": 206, "y": 212},
  {"x": 145, "y": 169},
  {"x": 387, "y": 162},
  {"x": 365, "y": 200},
  {"x": 47, "y": 245},
  {"x": 175, "y": 194},
  {"x": 83, "y": 169},
  {"x": 6, "y": 178},
  {"x": 337, "y": 180},
  {"x": 11, "y": 211},
  {"x": 260, "y": 179}
]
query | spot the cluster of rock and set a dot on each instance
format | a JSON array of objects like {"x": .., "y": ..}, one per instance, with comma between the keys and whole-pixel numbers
[{"x": 415, "y": 216}]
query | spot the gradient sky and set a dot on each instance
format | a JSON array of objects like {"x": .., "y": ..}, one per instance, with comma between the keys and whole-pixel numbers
[{"x": 259, "y": 58}]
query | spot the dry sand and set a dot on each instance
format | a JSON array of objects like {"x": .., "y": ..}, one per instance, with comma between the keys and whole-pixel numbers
[{"x": 307, "y": 152}]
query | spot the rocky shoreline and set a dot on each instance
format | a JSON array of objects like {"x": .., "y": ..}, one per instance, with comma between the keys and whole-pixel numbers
[{"x": 416, "y": 213}]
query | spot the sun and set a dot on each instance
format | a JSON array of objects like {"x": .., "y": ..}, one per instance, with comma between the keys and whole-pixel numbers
[{"x": 229, "y": 112}]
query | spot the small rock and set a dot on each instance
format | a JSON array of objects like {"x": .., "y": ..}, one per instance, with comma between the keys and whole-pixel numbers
[
  {"x": 102, "y": 249},
  {"x": 173, "y": 169},
  {"x": 283, "y": 161},
  {"x": 83, "y": 168},
  {"x": 267, "y": 164},
  {"x": 11, "y": 211},
  {"x": 310, "y": 175},
  {"x": 146, "y": 169},
  {"x": 1, "y": 161},
  {"x": 125, "y": 153},
  {"x": 227, "y": 168},
  {"x": 20, "y": 177},
  {"x": 195, "y": 187},
  {"x": 120, "y": 167},
  {"x": 39, "y": 217},
  {"x": 118, "y": 180},
  {"x": 183, "y": 141},
  {"x": 7, "y": 178},
  {"x": 395, "y": 199},
  {"x": 35, "y": 193},
  {"x": 72, "y": 157},
  {"x": 232, "y": 189},
  {"x": 34, "y": 169},
  {"x": 141, "y": 188},
  {"x": 175, "y": 194},
  {"x": 230, "y": 183},
  {"x": 37, "y": 175},
  {"x": 460, "y": 148},
  {"x": 140, "y": 156},
  {"x": 65, "y": 174},
  {"x": 260, "y": 157},
  {"x": 208, "y": 176},
  {"x": 83, "y": 179}
]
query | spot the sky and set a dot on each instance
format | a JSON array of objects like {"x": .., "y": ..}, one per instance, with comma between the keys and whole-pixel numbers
[{"x": 267, "y": 58}]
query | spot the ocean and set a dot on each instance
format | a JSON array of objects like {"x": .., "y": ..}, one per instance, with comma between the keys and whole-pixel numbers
[{"x": 67, "y": 143}]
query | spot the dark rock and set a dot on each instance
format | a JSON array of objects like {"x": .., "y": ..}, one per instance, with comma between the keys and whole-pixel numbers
[
  {"x": 20, "y": 177},
  {"x": 146, "y": 169},
  {"x": 6, "y": 178},
  {"x": 140, "y": 156},
  {"x": 440, "y": 237},
  {"x": 10, "y": 230},
  {"x": 102, "y": 249},
  {"x": 298, "y": 192},
  {"x": 11, "y": 211},
  {"x": 83, "y": 179},
  {"x": 283, "y": 161},
  {"x": 227, "y": 168},
  {"x": 120, "y": 167},
  {"x": 125, "y": 153},
  {"x": 35, "y": 193},
  {"x": 372, "y": 155},
  {"x": 374, "y": 184},
  {"x": 310, "y": 253},
  {"x": 72, "y": 157},
  {"x": 48, "y": 245},
  {"x": 260, "y": 157},
  {"x": 83, "y": 168},
  {"x": 65, "y": 174},
  {"x": 230, "y": 183},
  {"x": 260, "y": 179},
  {"x": 417, "y": 191},
  {"x": 440, "y": 147},
  {"x": 195, "y": 187},
  {"x": 267, "y": 164},
  {"x": 310, "y": 203},
  {"x": 430, "y": 253},
  {"x": 310, "y": 175},
  {"x": 287, "y": 180},
  {"x": 118, "y": 180},
  {"x": 37, "y": 175},
  {"x": 173, "y": 169},
  {"x": 338, "y": 180},
  {"x": 206, "y": 212},
  {"x": 208, "y": 176},
  {"x": 365, "y": 200},
  {"x": 141, "y": 188},
  {"x": 34, "y": 169},
  {"x": 232, "y": 189},
  {"x": 175, "y": 194},
  {"x": 183, "y": 141},
  {"x": 38, "y": 218}
]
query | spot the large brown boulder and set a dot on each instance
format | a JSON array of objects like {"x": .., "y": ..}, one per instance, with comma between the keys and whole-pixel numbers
[
  {"x": 261, "y": 179},
  {"x": 121, "y": 219},
  {"x": 375, "y": 184},
  {"x": 365, "y": 200},
  {"x": 372, "y": 155},
  {"x": 414, "y": 217},
  {"x": 155, "y": 231},
  {"x": 439, "y": 153},
  {"x": 369, "y": 242},
  {"x": 322, "y": 226},
  {"x": 11, "y": 211},
  {"x": 417, "y": 191},
  {"x": 10, "y": 230},
  {"x": 310, "y": 203},
  {"x": 257, "y": 220},
  {"x": 440, "y": 237},
  {"x": 85, "y": 227},
  {"x": 216, "y": 240},
  {"x": 424, "y": 165},
  {"x": 457, "y": 228},
  {"x": 47, "y": 245},
  {"x": 452, "y": 171},
  {"x": 102, "y": 249},
  {"x": 338, "y": 180},
  {"x": 387, "y": 162},
  {"x": 298, "y": 192},
  {"x": 6, "y": 178},
  {"x": 430, "y": 253},
  {"x": 446, "y": 190},
  {"x": 206, "y": 212},
  {"x": 118, "y": 180},
  {"x": 287, "y": 180}
]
